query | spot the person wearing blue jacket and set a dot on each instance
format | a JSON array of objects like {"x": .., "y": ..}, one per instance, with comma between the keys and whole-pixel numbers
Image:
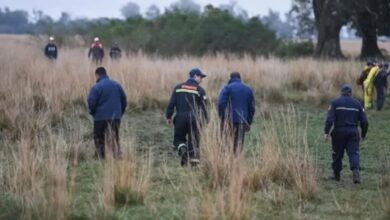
[
  {"x": 107, "y": 103},
  {"x": 344, "y": 116},
  {"x": 380, "y": 83},
  {"x": 236, "y": 109}
]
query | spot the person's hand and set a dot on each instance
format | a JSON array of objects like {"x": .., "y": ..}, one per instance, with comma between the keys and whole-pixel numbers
[
  {"x": 326, "y": 138},
  {"x": 169, "y": 121},
  {"x": 247, "y": 128}
]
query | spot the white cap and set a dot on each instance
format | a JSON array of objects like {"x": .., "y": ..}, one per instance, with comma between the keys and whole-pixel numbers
[
  {"x": 96, "y": 39},
  {"x": 51, "y": 38}
]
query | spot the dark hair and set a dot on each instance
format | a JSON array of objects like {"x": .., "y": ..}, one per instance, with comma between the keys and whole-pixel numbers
[
  {"x": 235, "y": 75},
  {"x": 101, "y": 71}
]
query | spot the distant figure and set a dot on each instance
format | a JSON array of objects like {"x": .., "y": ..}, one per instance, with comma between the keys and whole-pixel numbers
[
  {"x": 364, "y": 74},
  {"x": 51, "y": 50},
  {"x": 115, "y": 52},
  {"x": 368, "y": 85},
  {"x": 236, "y": 108},
  {"x": 380, "y": 83},
  {"x": 96, "y": 51},
  {"x": 344, "y": 116},
  {"x": 107, "y": 103}
]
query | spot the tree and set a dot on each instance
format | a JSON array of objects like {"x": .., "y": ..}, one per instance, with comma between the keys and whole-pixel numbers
[
  {"x": 153, "y": 12},
  {"x": 367, "y": 16},
  {"x": 330, "y": 17},
  {"x": 130, "y": 10},
  {"x": 186, "y": 6},
  {"x": 301, "y": 18},
  {"x": 275, "y": 23}
]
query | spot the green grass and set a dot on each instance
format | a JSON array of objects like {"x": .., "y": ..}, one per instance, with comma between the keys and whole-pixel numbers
[{"x": 168, "y": 194}]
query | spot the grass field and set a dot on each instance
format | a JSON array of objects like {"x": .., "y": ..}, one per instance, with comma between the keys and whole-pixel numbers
[{"x": 48, "y": 170}]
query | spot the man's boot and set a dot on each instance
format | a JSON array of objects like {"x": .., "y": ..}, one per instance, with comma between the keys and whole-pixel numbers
[
  {"x": 183, "y": 153},
  {"x": 335, "y": 176},
  {"x": 356, "y": 176}
]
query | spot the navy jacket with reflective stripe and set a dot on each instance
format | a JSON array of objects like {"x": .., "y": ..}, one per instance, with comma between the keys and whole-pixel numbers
[
  {"x": 346, "y": 112},
  {"x": 189, "y": 99}
]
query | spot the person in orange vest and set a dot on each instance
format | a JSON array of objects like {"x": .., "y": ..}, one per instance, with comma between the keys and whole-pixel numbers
[{"x": 96, "y": 51}]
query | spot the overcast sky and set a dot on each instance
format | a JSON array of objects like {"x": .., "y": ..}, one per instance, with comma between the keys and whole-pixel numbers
[{"x": 111, "y": 8}]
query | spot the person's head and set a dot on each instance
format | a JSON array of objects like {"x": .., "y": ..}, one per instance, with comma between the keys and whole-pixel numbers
[
  {"x": 370, "y": 63},
  {"x": 385, "y": 66},
  {"x": 96, "y": 39},
  {"x": 197, "y": 75},
  {"x": 100, "y": 71},
  {"x": 346, "y": 89},
  {"x": 235, "y": 75}
]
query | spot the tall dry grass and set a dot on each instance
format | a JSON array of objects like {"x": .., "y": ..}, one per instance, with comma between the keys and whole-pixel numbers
[
  {"x": 44, "y": 124},
  {"x": 126, "y": 181}
]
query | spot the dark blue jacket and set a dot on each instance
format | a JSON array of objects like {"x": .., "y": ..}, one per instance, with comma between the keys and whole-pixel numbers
[
  {"x": 237, "y": 102},
  {"x": 346, "y": 112},
  {"x": 51, "y": 51},
  {"x": 381, "y": 78},
  {"x": 106, "y": 100}
]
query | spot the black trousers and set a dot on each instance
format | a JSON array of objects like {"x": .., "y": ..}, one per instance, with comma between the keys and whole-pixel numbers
[
  {"x": 107, "y": 132},
  {"x": 187, "y": 132},
  {"x": 380, "y": 97},
  {"x": 234, "y": 133}
]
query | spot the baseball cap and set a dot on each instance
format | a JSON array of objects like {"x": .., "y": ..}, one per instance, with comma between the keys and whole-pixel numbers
[
  {"x": 346, "y": 89},
  {"x": 197, "y": 72}
]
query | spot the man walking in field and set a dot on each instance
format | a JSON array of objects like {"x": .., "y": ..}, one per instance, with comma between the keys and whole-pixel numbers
[
  {"x": 236, "y": 109},
  {"x": 189, "y": 101},
  {"x": 96, "y": 51},
  {"x": 51, "y": 50},
  {"x": 380, "y": 83},
  {"x": 345, "y": 114},
  {"x": 107, "y": 103}
]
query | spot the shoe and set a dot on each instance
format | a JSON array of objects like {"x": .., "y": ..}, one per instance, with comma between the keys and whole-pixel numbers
[
  {"x": 335, "y": 177},
  {"x": 194, "y": 162},
  {"x": 182, "y": 149},
  {"x": 356, "y": 177}
]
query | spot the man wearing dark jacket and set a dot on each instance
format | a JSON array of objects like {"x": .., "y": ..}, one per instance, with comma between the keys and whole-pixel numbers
[
  {"x": 107, "y": 103},
  {"x": 380, "y": 83},
  {"x": 96, "y": 51},
  {"x": 189, "y": 101},
  {"x": 345, "y": 114},
  {"x": 115, "y": 52},
  {"x": 236, "y": 109},
  {"x": 51, "y": 50}
]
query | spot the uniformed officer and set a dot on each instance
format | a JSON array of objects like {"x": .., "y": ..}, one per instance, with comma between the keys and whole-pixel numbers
[
  {"x": 345, "y": 114},
  {"x": 51, "y": 50},
  {"x": 189, "y": 100}
]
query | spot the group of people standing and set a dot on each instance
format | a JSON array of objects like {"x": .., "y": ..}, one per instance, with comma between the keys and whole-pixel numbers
[
  {"x": 95, "y": 53},
  {"x": 374, "y": 78}
]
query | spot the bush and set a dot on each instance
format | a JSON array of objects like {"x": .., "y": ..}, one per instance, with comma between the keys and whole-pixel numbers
[{"x": 295, "y": 49}]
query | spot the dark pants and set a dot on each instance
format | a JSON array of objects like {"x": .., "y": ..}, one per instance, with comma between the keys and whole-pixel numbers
[
  {"x": 187, "y": 132},
  {"x": 107, "y": 132},
  {"x": 345, "y": 139},
  {"x": 234, "y": 133},
  {"x": 380, "y": 97}
]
